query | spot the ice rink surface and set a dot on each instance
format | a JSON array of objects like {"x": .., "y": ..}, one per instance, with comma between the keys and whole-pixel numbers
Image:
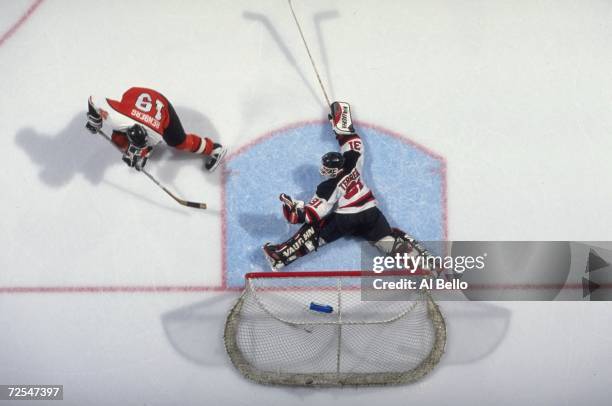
[{"x": 111, "y": 289}]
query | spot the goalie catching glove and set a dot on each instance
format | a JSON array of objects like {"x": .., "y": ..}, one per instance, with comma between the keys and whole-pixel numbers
[{"x": 293, "y": 210}]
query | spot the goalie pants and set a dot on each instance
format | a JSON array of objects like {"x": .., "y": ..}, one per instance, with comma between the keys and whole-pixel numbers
[{"x": 369, "y": 224}]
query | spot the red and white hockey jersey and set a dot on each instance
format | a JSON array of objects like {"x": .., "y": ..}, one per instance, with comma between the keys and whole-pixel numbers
[
  {"x": 346, "y": 193},
  {"x": 138, "y": 105}
]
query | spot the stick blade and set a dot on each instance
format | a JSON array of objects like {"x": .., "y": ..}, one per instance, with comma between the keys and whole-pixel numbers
[{"x": 196, "y": 205}]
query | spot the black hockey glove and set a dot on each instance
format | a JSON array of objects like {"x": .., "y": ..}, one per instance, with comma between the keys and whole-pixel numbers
[
  {"x": 136, "y": 157},
  {"x": 94, "y": 120}
]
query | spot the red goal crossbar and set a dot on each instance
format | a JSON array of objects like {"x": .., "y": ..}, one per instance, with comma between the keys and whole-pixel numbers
[{"x": 334, "y": 274}]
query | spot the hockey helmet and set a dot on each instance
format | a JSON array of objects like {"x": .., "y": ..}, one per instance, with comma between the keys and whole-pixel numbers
[{"x": 137, "y": 135}]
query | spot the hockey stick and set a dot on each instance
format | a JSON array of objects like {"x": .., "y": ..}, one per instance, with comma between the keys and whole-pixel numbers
[
  {"x": 314, "y": 67},
  {"x": 177, "y": 199}
]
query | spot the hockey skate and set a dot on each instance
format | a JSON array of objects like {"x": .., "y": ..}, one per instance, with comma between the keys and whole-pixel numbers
[
  {"x": 216, "y": 156},
  {"x": 272, "y": 256}
]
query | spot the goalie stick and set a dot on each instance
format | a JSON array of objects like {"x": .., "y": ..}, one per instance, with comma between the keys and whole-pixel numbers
[{"x": 177, "y": 199}]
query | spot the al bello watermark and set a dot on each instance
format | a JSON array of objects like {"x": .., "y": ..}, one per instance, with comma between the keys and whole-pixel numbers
[{"x": 411, "y": 284}]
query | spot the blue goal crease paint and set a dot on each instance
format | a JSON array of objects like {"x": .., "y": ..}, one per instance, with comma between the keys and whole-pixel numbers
[{"x": 407, "y": 181}]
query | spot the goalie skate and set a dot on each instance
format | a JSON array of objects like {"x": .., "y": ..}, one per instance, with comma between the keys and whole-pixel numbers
[{"x": 273, "y": 257}]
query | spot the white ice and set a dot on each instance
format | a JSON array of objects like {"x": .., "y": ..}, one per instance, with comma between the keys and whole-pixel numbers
[{"x": 517, "y": 96}]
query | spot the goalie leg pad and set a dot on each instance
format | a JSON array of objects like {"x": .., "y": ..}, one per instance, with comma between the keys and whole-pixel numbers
[{"x": 301, "y": 243}]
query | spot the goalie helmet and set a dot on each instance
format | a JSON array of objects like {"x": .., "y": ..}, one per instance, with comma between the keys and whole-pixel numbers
[
  {"x": 340, "y": 118},
  {"x": 331, "y": 164},
  {"x": 137, "y": 135}
]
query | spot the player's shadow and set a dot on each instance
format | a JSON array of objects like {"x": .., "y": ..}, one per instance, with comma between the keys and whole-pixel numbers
[
  {"x": 265, "y": 21},
  {"x": 319, "y": 17},
  {"x": 263, "y": 225},
  {"x": 59, "y": 158},
  {"x": 475, "y": 330},
  {"x": 306, "y": 177},
  {"x": 196, "y": 331},
  {"x": 272, "y": 225}
]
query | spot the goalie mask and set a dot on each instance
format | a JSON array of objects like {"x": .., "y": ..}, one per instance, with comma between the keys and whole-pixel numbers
[
  {"x": 340, "y": 118},
  {"x": 331, "y": 164}
]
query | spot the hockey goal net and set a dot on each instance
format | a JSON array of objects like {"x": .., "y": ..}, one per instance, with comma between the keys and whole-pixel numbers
[{"x": 314, "y": 329}]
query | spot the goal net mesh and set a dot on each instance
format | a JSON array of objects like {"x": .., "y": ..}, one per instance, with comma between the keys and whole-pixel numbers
[{"x": 314, "y": 329}]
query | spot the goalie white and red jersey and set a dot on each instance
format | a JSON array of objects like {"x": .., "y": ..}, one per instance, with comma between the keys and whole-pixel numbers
[
  {"x": 153, "y": 111},
  {"x": 346, "y": 193}
]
